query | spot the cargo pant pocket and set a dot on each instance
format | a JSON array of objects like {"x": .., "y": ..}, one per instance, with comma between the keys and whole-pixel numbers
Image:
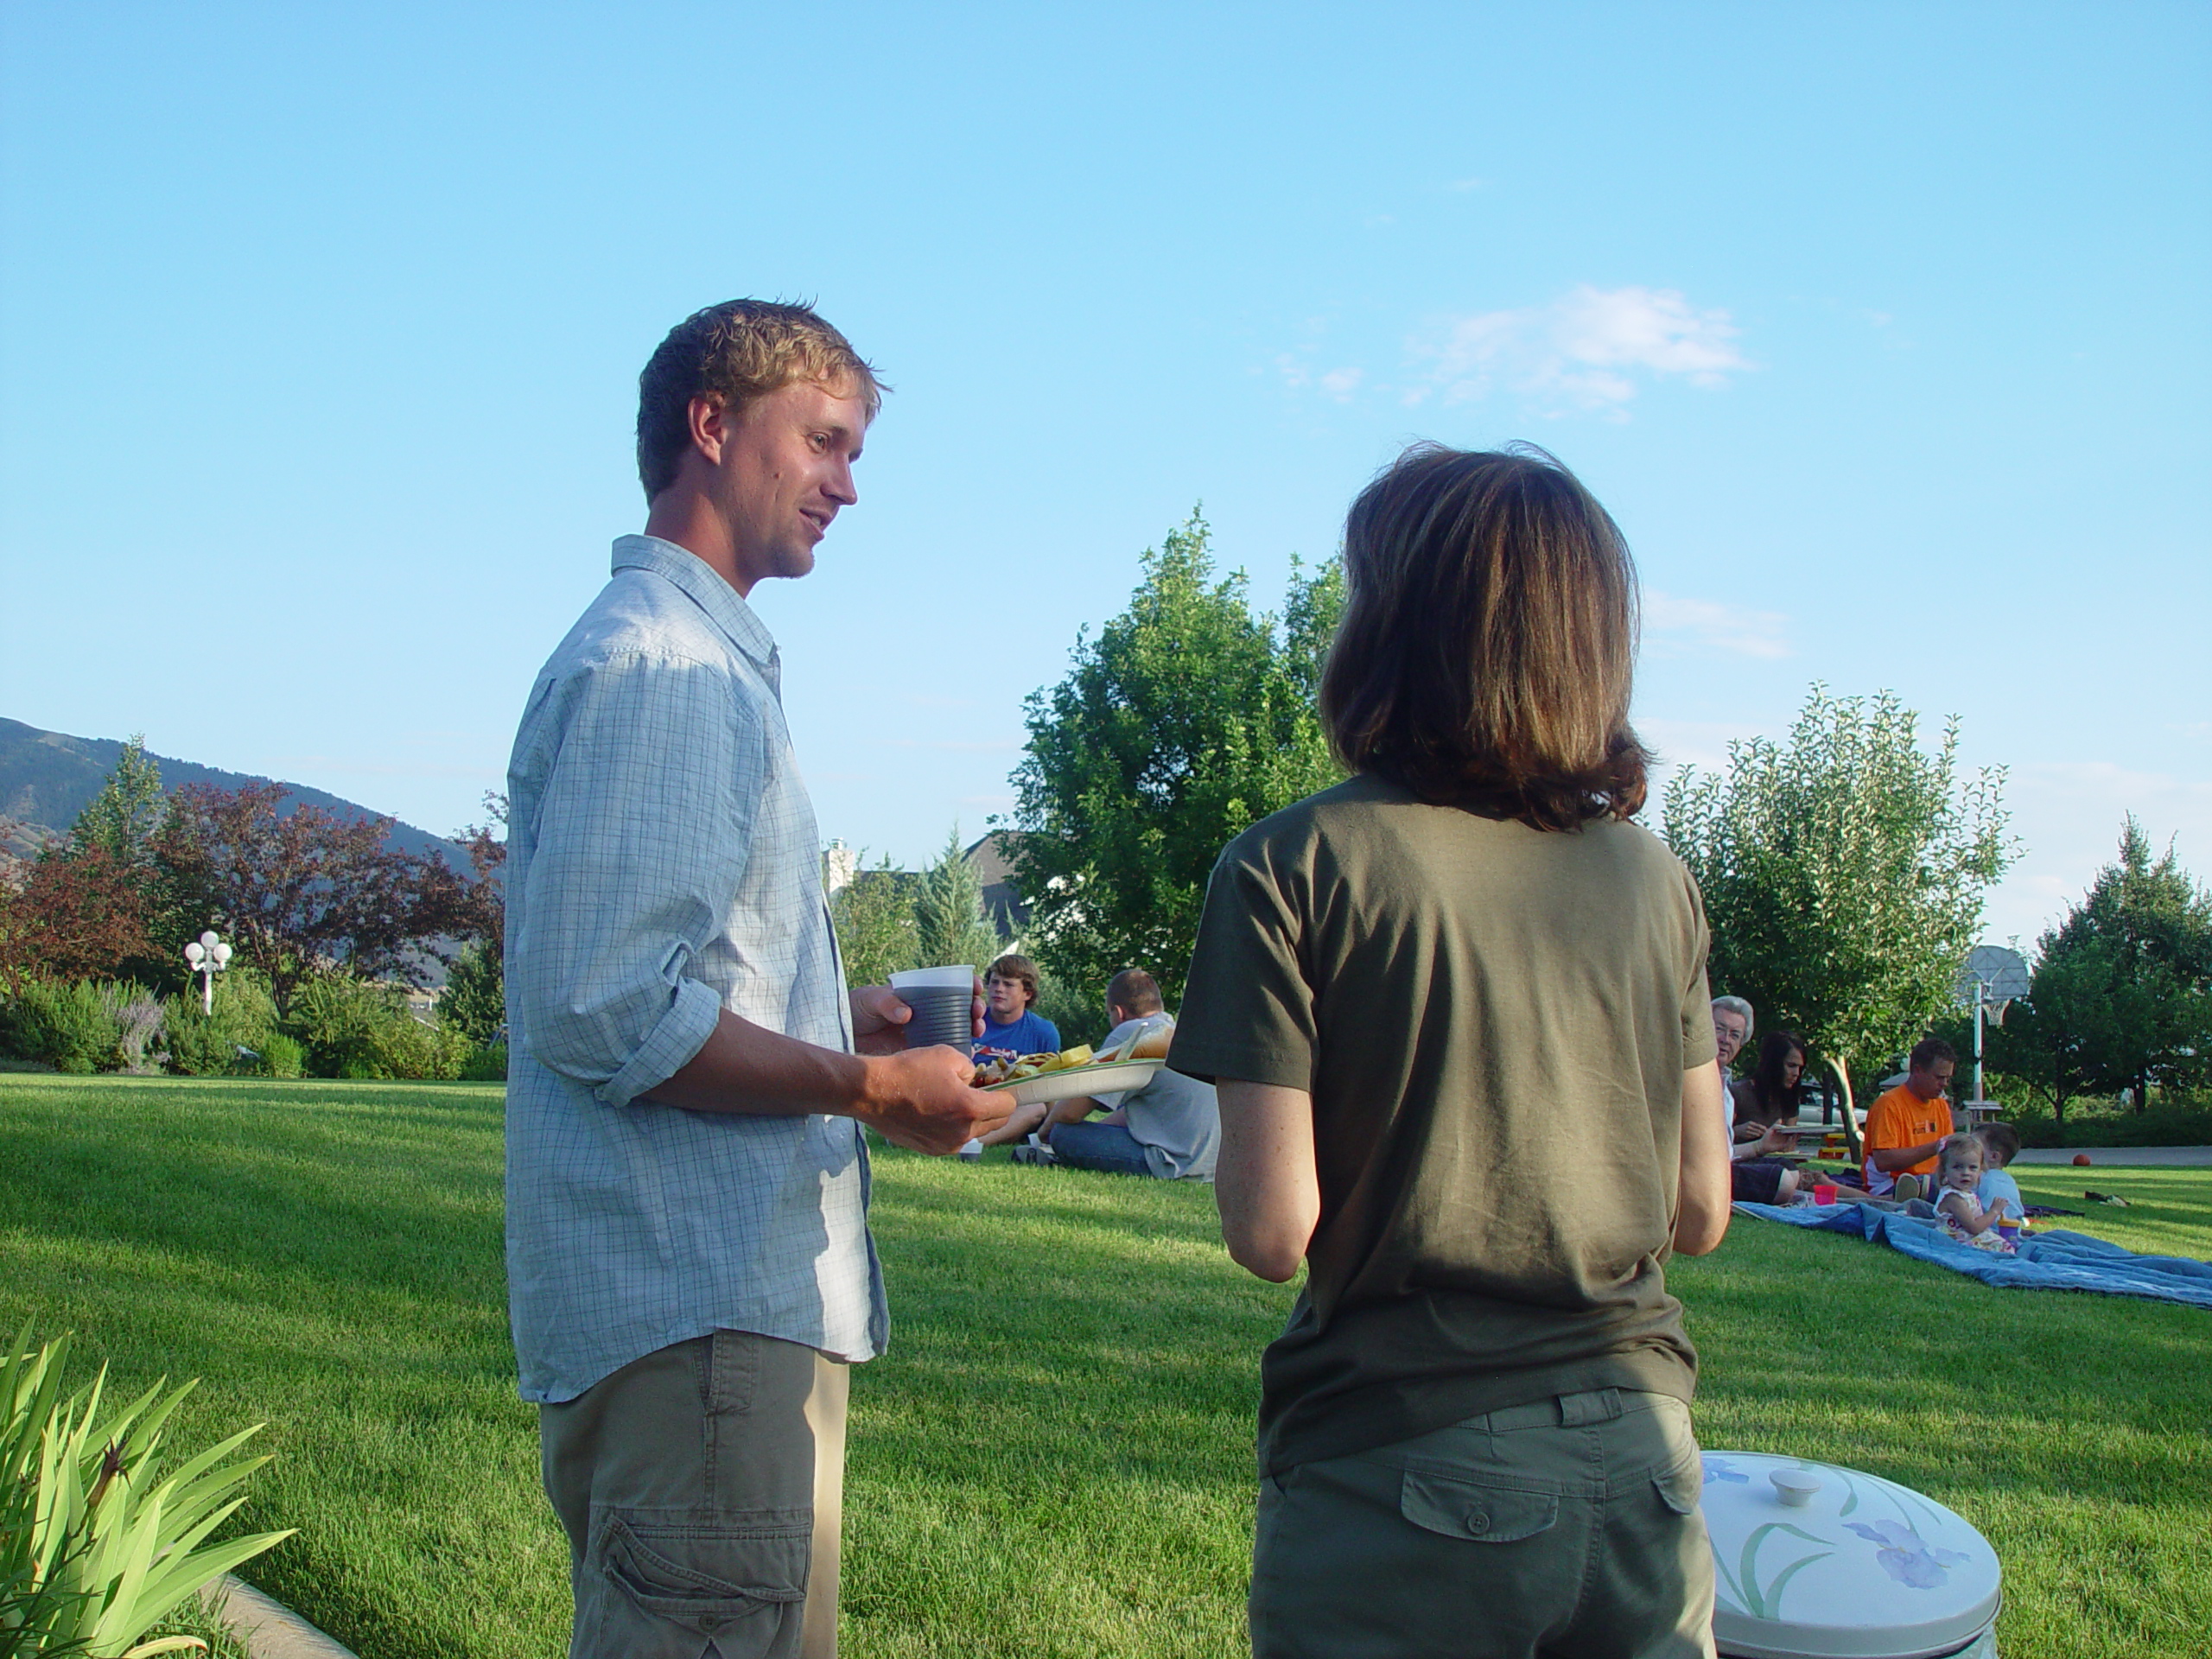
[
  {"x": 1470, "y": 1509},
  {"x": 674, "y": 1588},
  {"x": 1682, "y": 1487}
]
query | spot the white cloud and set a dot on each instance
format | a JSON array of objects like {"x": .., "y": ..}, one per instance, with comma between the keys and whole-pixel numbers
[
  {"x": 1340, "y": 384},
  {"x": 1700, "y": 743},
  {"x": 1704, "y": 625},
  {"x": 1589, "y": 349}
]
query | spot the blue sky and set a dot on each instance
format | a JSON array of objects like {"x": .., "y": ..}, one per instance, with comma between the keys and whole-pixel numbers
[{"x": 1883, "y": 329}]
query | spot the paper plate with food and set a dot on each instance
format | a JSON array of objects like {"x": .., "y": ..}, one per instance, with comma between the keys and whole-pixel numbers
[{"x": 1038, "y": 1079}]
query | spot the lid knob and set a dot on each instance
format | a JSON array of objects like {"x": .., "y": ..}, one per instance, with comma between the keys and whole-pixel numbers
[{"x": 1795, "y": 1487}]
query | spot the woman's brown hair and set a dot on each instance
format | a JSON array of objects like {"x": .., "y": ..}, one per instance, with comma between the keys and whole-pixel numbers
[{"x": 1488, "y": 645}]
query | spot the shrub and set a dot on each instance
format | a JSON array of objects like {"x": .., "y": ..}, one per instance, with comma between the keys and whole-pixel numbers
[
  {"x": 2182, "y": 1122},
  {"x": 488, "y": 1064},
  {"x": 98, "y": 1539},
  {"x": 282, "y": 1058},
  {"x": 356, "y": 1028},
  {"x": 202, "y": 1045},
  {"x": 64, "y": 1023},
  {"x": 138, "y": 1015},
  {"x": 474, "y": 998}
]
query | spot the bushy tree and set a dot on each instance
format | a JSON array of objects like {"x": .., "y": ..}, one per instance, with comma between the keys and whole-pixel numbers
[
  {"x": 873, "y": 914},
  {"x": 100, "y": 903},
  {"x": 2121, "y": 996},
  {"x": 1187, "y": 719},
  {"x": 127, "y": 814},
  {"x": 304, "y": 892},
  {"x": 474, "y": 998},
  {"x": 79, "y": 913},
  {"x": 1843, "y": 870},
  {"x": 949, "y": 925}
]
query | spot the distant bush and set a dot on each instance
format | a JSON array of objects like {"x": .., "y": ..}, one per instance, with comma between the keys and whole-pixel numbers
[
  {"x": 282, "y": 1058},
  {"x": 474, "y": 998},
  {"x": 2166, "y": 1123},
  {"x": 488, "y": 1064},
  {"x": 203, "y": 1045},
  {"x": 138, "y": 1015},
  {"x": 67, "y": 1023},
  {"x": 1077, "y": 1014},
  {"x": 357, "y": 1028}
]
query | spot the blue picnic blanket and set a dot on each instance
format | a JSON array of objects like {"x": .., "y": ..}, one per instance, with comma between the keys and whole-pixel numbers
[{"x": 2056, "y": 1260}]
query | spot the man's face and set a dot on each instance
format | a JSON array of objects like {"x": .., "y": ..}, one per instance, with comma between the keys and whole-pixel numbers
[
  {"x": 1932, "y": 1083},
  {"x": 1730, "y": 1030},
  {"x": 1009, "y": 998},
  {"x": 782, "y": 468}
]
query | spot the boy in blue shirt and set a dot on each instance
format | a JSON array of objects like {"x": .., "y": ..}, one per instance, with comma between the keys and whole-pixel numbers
[{"x": 1010, "y": 1029}]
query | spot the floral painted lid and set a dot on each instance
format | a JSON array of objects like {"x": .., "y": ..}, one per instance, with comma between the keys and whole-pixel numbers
[{"x": 1811, "y": 1561}]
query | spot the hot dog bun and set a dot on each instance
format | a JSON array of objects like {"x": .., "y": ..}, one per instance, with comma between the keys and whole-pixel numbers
[{"x": 1152, "y": 1046}]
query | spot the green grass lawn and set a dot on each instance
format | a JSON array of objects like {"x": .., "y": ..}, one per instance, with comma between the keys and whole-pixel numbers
[{"x": 1055, "y": 1457}]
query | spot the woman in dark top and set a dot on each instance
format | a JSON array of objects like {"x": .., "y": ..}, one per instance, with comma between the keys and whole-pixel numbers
[
  {"x": 1456, "y": 1008},
  {"x": 1777, "y": 1093},
  {"x": 1768, "y": 1096}
]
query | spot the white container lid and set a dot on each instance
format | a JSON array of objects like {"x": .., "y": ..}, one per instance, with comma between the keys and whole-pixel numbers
[{"x": 1858, "y": 1567}]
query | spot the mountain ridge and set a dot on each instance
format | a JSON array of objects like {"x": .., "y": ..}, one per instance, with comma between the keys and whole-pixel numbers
[{"x": 47, "y": 778}]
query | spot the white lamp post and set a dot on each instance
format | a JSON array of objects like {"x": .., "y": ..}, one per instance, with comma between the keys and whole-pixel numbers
[{"x": 208, "y": 955}]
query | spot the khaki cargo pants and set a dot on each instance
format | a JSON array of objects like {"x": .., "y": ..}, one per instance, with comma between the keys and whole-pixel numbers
[
  {"x": 702, "y": 1488},
  {"x": 1569, "y": 1528}
]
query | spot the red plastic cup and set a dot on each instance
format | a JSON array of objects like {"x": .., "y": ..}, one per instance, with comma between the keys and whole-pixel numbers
[{"x": 1824, "y": 1192}]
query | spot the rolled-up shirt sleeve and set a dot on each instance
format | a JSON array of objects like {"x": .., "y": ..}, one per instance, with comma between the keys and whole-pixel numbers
[{"x": 640, "y": 834}]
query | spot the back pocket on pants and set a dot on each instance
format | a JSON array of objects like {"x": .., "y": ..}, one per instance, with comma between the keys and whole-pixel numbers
[
  {"x": 1465, "y": 1509},
  {"x": 670, "y": 1586}
]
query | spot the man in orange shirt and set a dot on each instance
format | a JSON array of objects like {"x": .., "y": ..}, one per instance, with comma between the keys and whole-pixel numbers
[{"x": 1905, "y": 1128}]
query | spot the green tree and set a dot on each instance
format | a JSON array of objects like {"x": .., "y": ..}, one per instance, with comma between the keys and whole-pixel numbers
[
  {"x": 873, "y": 914},
  {"x": 949, "y": 925},
  {"x": 101, "y": 903},
  {"x": 125, "y": 816},
  {"x": 1188, "y": 718},
  {"x": 2122, "y": 992},
  {"x": 474, "y": 1000},
  {"x": 1843, "y": 871}
]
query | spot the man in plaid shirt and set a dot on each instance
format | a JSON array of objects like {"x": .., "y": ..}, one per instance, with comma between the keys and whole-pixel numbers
[{"x": 688, "y": 1262}]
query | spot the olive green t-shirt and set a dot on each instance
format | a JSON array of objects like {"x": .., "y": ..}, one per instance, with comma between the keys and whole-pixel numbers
[{"x": 1493, "y": 1022}]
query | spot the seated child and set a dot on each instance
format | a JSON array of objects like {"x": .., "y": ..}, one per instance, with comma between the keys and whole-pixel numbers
[
  {"x": 1958, "y": 1169},
  {"x": 2000, "y": 1144}
]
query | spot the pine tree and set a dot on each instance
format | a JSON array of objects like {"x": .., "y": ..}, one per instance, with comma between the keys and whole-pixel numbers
[
  {"x": 949, "y": 926},
  {"x": 123, "y": 818}
]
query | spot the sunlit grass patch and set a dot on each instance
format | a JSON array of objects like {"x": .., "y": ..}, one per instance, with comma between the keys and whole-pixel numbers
[{"x": 1055, "y": 1459}]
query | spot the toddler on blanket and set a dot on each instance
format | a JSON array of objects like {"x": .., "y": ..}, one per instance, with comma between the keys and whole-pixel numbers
[{"x": 1958, "y": 1171}]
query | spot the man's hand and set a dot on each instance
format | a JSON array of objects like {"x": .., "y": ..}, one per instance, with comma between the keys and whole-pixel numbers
[
  {"x": 1901, "y": 1158},
  {"x": 880, "y": 1018},
  {"x": 919, "y": 1098}
]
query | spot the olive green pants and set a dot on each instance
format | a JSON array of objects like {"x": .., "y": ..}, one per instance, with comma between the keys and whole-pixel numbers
[
  {"x": 1568, "y": 1528},
  {"x": 702, "y": 1489}
]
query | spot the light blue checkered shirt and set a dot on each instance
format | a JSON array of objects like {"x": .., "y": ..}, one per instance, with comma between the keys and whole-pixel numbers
[{"x": 662, "y": 866}]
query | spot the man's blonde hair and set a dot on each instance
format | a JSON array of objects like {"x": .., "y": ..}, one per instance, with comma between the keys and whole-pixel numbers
[{"x": 735, "y": 352}]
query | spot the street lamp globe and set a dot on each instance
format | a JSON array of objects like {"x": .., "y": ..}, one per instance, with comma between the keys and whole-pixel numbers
[{"x": 209, "y": 955}]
